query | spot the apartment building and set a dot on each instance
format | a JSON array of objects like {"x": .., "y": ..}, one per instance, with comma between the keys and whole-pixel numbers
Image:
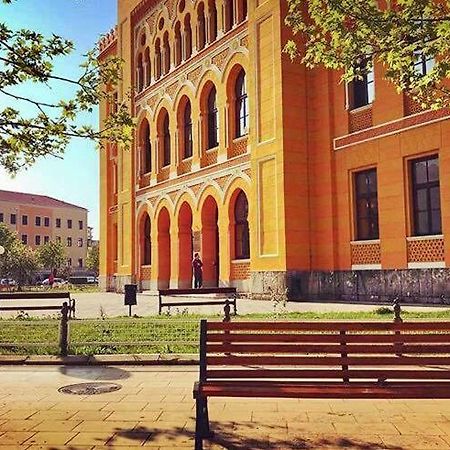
[{"x": 38, "y": 219}]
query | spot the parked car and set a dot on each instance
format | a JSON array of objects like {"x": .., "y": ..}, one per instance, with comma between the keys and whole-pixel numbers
[
  {"x": 57, "y": 282},
  {"x": 7, "y": 282}
]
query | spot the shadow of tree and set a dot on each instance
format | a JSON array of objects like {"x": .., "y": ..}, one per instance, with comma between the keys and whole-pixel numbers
[
  {"x": 104, "y": 373},
  {"x": 245, "y": 436}
]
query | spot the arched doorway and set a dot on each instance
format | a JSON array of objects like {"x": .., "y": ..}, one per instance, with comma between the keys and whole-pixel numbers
[
  {"x": 163, "y": 249},
  {"x": 185, "y": 246},
  {"x": 145, "y": 241},
  {"x": 210, "y": 243}
]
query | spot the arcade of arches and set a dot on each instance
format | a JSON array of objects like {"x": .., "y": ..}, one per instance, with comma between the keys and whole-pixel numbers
[{"x": 169, "y": 237}]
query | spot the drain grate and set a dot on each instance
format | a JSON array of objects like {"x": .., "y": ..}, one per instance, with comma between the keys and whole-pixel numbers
[{"x": 89, "y": 388}]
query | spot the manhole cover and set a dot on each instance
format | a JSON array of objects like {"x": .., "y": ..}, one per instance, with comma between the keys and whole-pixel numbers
[{"x": 89, "y": 388}]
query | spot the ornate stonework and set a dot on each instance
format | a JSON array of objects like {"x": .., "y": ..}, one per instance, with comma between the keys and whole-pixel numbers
[
  {"x": 219, "y": 59},
  {"x": 194, "y": 75}
]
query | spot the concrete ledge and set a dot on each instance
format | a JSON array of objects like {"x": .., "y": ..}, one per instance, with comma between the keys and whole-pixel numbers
[{"x": 101, "y": 360}]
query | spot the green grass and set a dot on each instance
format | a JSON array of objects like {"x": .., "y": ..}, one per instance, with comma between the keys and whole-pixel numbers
[{"x": 160, "y": 334}]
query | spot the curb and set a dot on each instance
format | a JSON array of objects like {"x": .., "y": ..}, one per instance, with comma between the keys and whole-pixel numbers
[{"x": 101, "y": 360}]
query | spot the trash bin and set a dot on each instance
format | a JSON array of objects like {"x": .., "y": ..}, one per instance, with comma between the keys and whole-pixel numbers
[{"x": 130, "y": 294}]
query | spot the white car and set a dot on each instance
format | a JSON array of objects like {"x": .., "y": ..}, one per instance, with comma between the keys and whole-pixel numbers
[{"x": 57, "y": 282}]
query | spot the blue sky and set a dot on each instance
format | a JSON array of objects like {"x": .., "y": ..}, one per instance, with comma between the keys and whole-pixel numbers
[{"x": 75, "y": 178}]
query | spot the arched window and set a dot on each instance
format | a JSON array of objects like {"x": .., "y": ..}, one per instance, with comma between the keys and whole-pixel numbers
[
  {"x": 229, "y": 15},
  {"x": 187, "y": 37},
  {"x": 213, "y": 119},
  {"x": 212, "y": 21},
  {"x": 166, "y": 53},
  {"x": 147, "y": 243},
  {"x": 187, "y": 128},
  {"x": 147, "y": 67},
  {"x": 166, "y": 141},
  {"x": 139, "y": 74},
  {"x": 201, "y": 27},
  {"x": 146, "y": 148},
  {"x": 241, "y": 10},
  {"x": 158, "y": 62},
  {"x": 241, "y": 230},
  {"x": 241, "y": 106},
  {"x": 177, "y": 52}
]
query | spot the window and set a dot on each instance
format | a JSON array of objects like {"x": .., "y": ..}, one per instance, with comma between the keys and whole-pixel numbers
[
  {"x": 80, "y": 262},
  {"x": 426, "y": 196},
  {"x": 37, "y": 221},
  {"x": 58, "y": 238},
  {"x": 229, "y": 15},
  {"x": 187, "y": 37},
  {"x": 37, "y": 240},
  {"x": 361, "y": 91},
  {"x": 201, "y": 27},
  {"x": 13, "y": 219},
  {"x": 58, "y": 223},
  {"x": 147, "y": 253},
  {"x": 212, "y": 21},
  {"x": 69, "y": 223},
  {"x": 146, "y": 148},
  {"x": 24, "y": 220},
  {"x": 80, "y": 224},
  {"x": 2, "y": 219},
  {"x": 69, "y": 262},
  {"x": 424, "y": 63},
  {"x": 147, "y": 67},
  {"x": 46, "y": 239},
  {"x": 213, "y": 122},
  {"x": 166, "y": 141},
  {"x": 80, "y": 242},
  {"x": 366, "y": 205},
  {"x": 69, "y": 242},
  {"x": 241, "y": 105},
  {"x": 166, "y": 53},
  {"x": 242, "y": 234},
  {"x": 187, "y": 130},
  {"x": 25, "y": 239},
  {"x": 158, "y": 59},
  {"x": 178, "y": 54},
  {"x": 140, "y": 74},
  {"x": 46, "y": 221}
]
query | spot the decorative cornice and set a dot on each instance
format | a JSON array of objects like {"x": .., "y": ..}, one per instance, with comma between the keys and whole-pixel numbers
[{"x": 107, "y": 40}]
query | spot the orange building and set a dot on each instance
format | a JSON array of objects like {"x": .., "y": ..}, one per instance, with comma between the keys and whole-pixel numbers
[
  {"x": 279, "y": 176},
  {"x": 38, "y": 219}
]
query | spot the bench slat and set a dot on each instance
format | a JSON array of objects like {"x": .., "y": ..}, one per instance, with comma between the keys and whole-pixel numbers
[
  {"x": 200, "y": 291},
  {"x": 197, "y": 303},
  {"x": 32, "y": 295},
  {"x": 326, "y": 390},
  {"x": 387, "y": 374},
  {"x": 328, "y": 326},
  {"x": 327, "y": 349},
  {"x": 233, "y": 360},
  {"x": 326, "y": 338}
]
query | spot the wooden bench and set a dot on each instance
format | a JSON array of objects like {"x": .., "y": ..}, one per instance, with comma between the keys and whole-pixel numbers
[
  {"x": 229, "y": 299},
  {"x": 356, "y": 360},
  {"x": 42, "y": 296}
]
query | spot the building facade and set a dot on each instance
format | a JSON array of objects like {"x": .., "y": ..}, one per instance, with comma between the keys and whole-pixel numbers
[
  {"x": 38, "y": 219},
  {"x": 279, "y": 176}
]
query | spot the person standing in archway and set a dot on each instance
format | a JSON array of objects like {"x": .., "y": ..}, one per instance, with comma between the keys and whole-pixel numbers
[{"x": 198, "y": 271}]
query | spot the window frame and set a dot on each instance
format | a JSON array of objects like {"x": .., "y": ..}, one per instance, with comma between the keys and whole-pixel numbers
[
  {"x": 241, "y": 230},
  {"x": 241, "y": 102},
  {"x": 187, "y": 131},
  {"x": 373, "y": 224},
  {"x": 368, "y": 80},
  {"x": 427, "y": 186},
  {"x": 212, "y": 120}
]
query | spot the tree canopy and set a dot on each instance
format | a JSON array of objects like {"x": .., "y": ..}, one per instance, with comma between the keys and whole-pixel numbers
[
  {"x": 93, "y": 259},
  {"x": 410, "y": 38},
  {"x": 51, "y": 255},
  {"x": 27, "y": 56}
]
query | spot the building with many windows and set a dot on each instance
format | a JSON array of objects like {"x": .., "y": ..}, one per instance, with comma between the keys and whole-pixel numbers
[
  {"x": 278, "y": 175},
  {"x": 38, "y": 219}
]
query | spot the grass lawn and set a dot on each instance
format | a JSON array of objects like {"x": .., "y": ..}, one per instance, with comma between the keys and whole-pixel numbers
[{"x": 160, "y": 334}]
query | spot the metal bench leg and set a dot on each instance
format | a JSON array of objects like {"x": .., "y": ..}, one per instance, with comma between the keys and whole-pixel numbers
[{"x": 202, "y": 429}]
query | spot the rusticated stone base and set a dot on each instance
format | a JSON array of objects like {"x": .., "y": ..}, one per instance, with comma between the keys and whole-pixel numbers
[{"x": 411, "y": 286}]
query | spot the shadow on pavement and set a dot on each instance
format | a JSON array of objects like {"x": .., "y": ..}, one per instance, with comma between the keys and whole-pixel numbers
[
  {"x": 238, "y": 436},
  {"x": 95, "y": 373}
]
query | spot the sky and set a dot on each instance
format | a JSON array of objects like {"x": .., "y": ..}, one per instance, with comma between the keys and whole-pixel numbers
[{"x": 75, "y": 178}]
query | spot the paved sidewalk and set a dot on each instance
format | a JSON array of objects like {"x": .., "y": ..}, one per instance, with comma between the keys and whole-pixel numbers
[
  {"x": 154, "y": 409},
  {"x": 93, "y": 305}
]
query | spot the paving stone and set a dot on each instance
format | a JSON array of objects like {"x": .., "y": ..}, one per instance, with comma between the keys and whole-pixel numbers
[
  {"x": 51, "y": 437},
  {"x": 15, "y": 437},
  {"x": 90, "y": 438}
]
